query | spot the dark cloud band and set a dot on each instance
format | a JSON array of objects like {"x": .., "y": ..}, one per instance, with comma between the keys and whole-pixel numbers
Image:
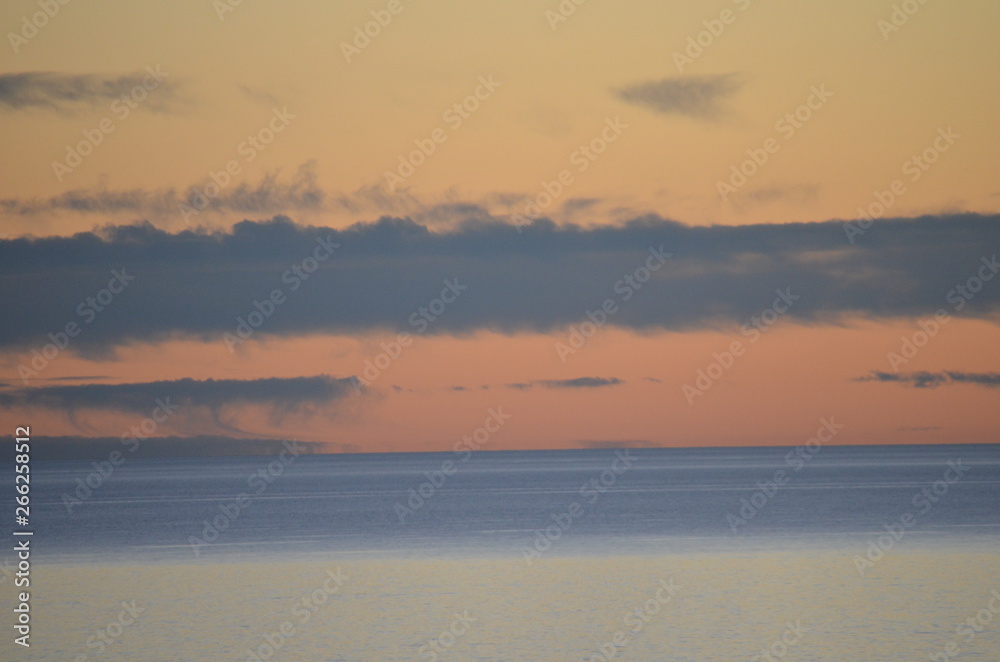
[{"x": 546, "y": 277}]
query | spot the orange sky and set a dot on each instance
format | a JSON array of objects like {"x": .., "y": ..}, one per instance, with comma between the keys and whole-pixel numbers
[{"x": 890, "y": 95}]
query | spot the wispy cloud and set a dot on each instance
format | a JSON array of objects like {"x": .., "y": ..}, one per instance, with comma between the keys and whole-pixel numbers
[
  {"x": 282, "y": 193},
  {"x": 68, "y": 92},
  {"x": 700, "y": 97},
  {"x": 800, "y": 194},
  {"x": 269, "y": 195},
  {"x": 581, "y": 382},
  {"x": 259, "y": 96},
  {"x": 290, "y": 395},
  {"x": 578, "y": 382},
  {"x": 922, "y": 379}
]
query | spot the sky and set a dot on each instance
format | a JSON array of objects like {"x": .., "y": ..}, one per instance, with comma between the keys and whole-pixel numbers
[{"x": 376, "y": 226}]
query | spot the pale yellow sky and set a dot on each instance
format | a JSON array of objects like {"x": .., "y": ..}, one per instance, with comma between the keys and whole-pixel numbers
[{"x": 557, "y": 87}]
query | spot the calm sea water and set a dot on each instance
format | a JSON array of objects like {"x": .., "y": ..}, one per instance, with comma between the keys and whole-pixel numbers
[{"x": 848, "y": 553}]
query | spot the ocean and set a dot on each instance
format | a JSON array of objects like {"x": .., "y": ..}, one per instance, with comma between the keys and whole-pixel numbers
[{"x": 823, "y": 553}]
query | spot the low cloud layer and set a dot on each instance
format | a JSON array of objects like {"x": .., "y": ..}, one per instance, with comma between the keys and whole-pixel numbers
[
  {"x": 701, "y": 97},
  {"x": 389, "y": 274},
  {"x": 100, "y": 448},
  {"x": 924, "y": 379}
]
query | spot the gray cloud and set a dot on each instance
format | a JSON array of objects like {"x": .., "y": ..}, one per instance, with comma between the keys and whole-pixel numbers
[
  {"x": 286, "y": 395},
  {"x": 276, "y": 193},
  {"x": 578, "y": 382},
  {"x": 197, "y": 283},
  {"x": 923, "y": 379},
  {"x": 269, "y": 195},
  {"x": 700, "y": 97},
  {"x": 256, "y": 95},
  {"x": 573, "y": 205},
  {"x": 67, "y": 92},
  {"x": 796, "y": 193}
]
